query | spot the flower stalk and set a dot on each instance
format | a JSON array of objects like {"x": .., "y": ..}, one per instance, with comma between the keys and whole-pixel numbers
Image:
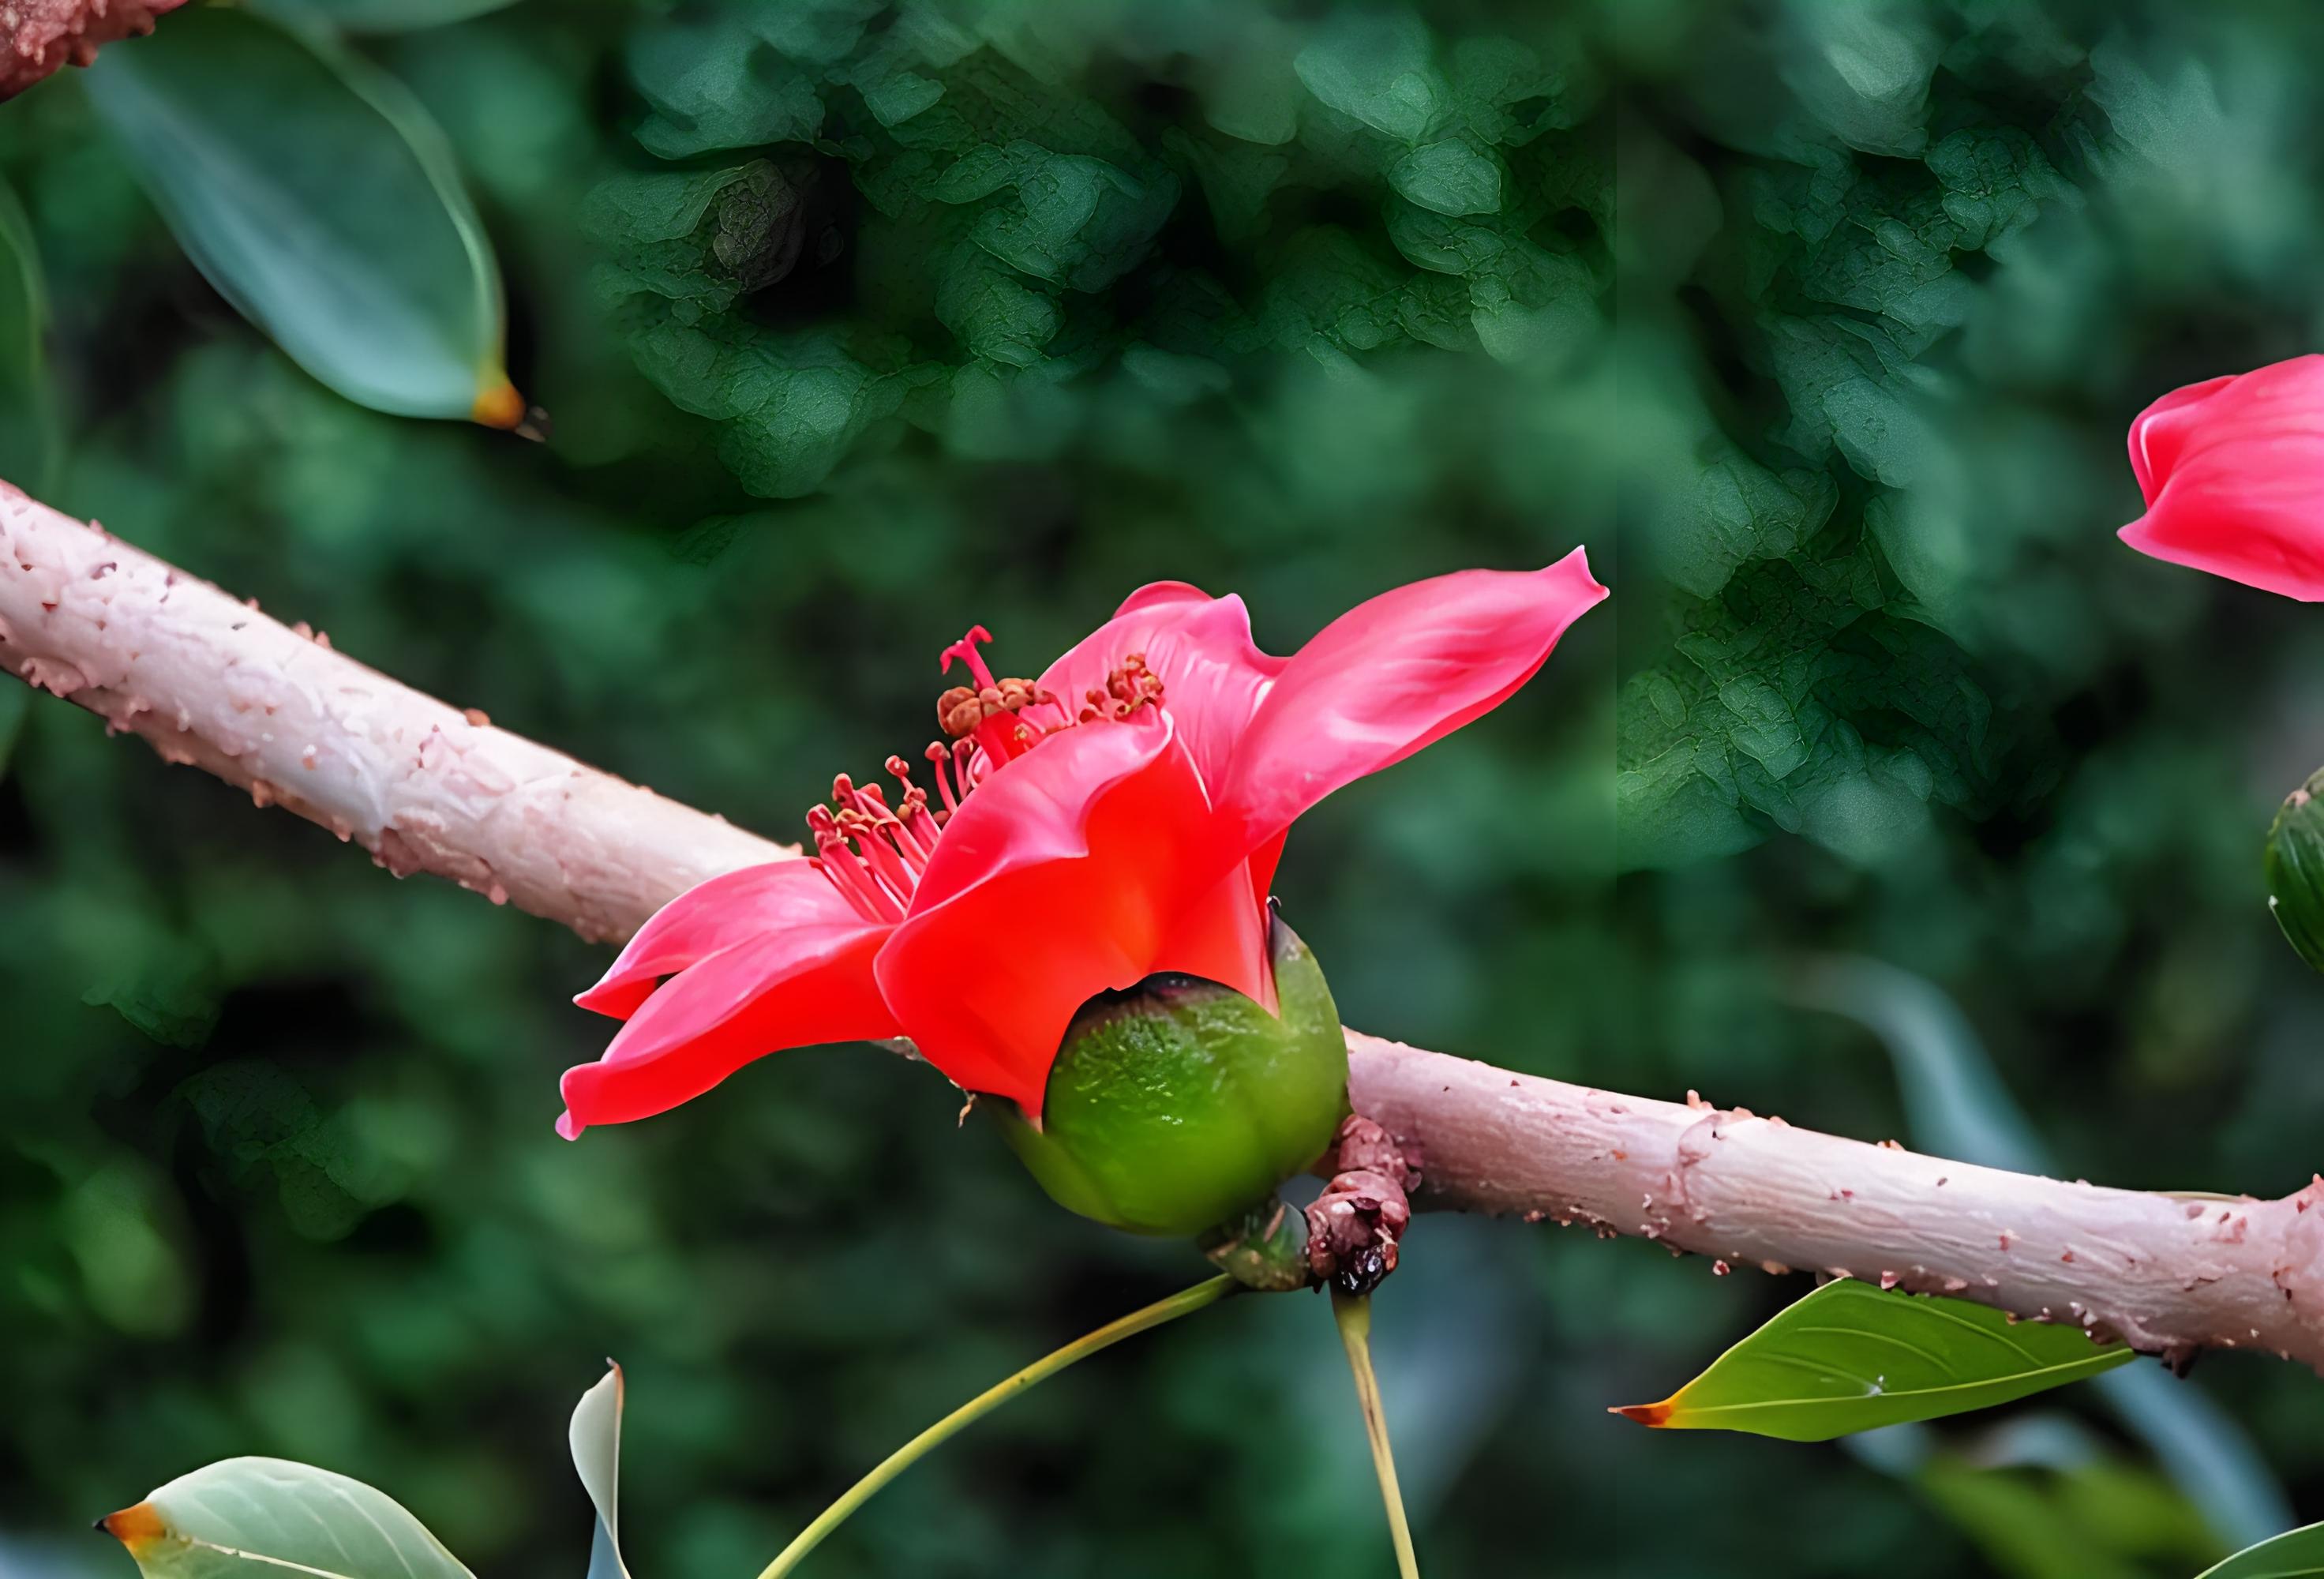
[
  {"x": 1354, "y": 1312},
  {"x": 1184, "y": 1302}
]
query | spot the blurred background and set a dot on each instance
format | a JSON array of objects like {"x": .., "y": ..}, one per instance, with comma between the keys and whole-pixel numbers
[{"x": 1889, "y": 792}]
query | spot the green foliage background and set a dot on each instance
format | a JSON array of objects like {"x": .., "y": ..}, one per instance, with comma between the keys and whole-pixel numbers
[{"x": 1820, "y": 323}]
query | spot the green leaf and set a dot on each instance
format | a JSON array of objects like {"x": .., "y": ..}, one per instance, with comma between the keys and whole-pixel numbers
[
  {"x": 715, "y": 86},
  {"x": 320, "y": 201},
  {"x": 1376, "y": 69},
  {"x": 28, "y": 417},
  {"x": 266, "y": 1518},
  {"x": 1958, "y": 1106},
  {"x": 166, "y": 986},
  {"x": 2294, "y": 866},
  {"x": 1850, "y": 1357},
  {"x": 2296, "y": 1553},
  {"x": 381, "y": 16},
  {"x": 1449, "y": 177},
  {"x": 595, "y": 1436}
]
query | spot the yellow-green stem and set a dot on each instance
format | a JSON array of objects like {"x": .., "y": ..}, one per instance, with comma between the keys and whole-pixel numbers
[
  {"x": 1185, "y": 1303},
  {"x": 1353, "y": 1312}
]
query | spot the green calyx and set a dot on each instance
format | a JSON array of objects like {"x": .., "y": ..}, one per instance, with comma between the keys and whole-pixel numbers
[
  {"x": 2295, "y": 870},
  {"x": 1179, "y": 1104},
  {"x": 1262, "y": 1247}
]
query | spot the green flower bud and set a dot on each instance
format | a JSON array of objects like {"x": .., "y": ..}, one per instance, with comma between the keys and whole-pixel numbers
[
  {"x": 1179, "y": 1102},
  {"x": 2295, "y": 870}
]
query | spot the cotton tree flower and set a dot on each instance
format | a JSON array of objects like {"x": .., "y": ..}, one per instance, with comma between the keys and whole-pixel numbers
[
  {"x": 2233, "y": 472},
  {"x": 1117, "y": 819}
]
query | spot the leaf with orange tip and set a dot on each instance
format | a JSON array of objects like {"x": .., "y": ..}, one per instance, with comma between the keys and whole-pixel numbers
[
  {"x": 1851, "y": 1357},
  {"x": 323, "y": 202},
  {"x": 266, "y": 1518}
]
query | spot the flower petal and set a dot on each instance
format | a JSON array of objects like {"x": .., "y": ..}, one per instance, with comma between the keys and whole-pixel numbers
[
  {"x": 785, "y": 986},
  {"x": 712, "y": 915},
  {"x": 1214, "y": 676},
  {"x": 2161, "y": 431},
  {"x": 1390, "y": 676},
  {"x": 1085, "y": 866},
  {"x": 2233, "y": 473}
]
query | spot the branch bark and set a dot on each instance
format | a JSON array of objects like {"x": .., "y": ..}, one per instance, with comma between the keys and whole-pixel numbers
[
  {"x": 39, "y": 36},
  {"x": 210, "y": 682}
]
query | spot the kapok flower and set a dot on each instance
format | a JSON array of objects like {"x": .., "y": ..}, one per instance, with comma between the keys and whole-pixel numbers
[
  {"x": 1119, "y": 818},
  {"x": 2233, "y": 472}
]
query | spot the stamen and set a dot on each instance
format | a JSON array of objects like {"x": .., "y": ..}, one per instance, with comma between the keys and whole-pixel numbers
[
  {"x": 847, "y": 872},
  {"x": 919, "y": 842},
  {"x": 873, "y": 853},
  {"x": 889, "y": 830},
  {"x": 939, "y": 757},
  {"x": 917, "y": 829},
  {"x": 880, "y": 857}
]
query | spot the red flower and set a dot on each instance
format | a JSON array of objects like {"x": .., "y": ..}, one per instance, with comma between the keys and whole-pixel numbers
[
  {"x": 1078, "y": 846},
  {"x": 2233, "y": 471}
]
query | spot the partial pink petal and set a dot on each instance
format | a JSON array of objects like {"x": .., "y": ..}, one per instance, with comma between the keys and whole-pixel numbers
[
  {"x": 1212, "y": 674},
  {"x": 787, "y": 987},
  {"x": 1264, "y": 861},
  {"x": 2233, "y": 473},
  {"x": 1223, "y": 936},
  {"x": 781, "y": 895},
  {"x": 2159, "y": 433},
  {"x": 1081, "y": 867},
  {"x": 1390, "y": 676}
]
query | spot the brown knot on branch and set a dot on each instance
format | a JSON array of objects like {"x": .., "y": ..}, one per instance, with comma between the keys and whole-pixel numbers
[{"x": 1353, "y": 1227}]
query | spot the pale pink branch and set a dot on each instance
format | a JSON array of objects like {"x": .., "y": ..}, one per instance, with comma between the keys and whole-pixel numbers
[
  {"x": 207, "y": 679},
  {"x": 38, "y": 36},
  {"x": 2167, "y": 1273},
  {"x": 210, "y": 680}
]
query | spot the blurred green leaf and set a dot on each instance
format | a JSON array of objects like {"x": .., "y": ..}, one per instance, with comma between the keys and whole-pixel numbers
[
  {"x": 595, "y": 1436},
  {"x": 1850, "y": 1357},
  {"x": 380, "y": 16},
  {"x": 1450, "y": 177},
  {"x": 2295, "y": 870},
  {"x": 15, "y": 701},
  {"x": 718, "y": 86},
  {"x": 2020, "y": 1525},
  {"x": 261, "y": 1517},
  {"x": 1376, "y": 68},
  {"x": 2296, "y": 1553},
  {"x": 28, "y": 414},
  {"x": 165, "y": 986},
  {"x": 319, "y": 199}
]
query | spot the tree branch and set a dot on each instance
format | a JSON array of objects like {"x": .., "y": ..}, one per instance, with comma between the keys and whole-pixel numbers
[{"x": 209, "y": 680}]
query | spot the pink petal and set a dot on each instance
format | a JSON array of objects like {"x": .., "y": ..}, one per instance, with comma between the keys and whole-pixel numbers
[
  {"x": 1087, "y": 864},
  {"x": 787, "y": 986},
  {"x": 1390, "y": 676},
  {"x": 716, "y": 914},
  {"x": 2161, "y": 431},
  {"x": 1212, "y": 674},
  {"x": 2233, "y": 473}
]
